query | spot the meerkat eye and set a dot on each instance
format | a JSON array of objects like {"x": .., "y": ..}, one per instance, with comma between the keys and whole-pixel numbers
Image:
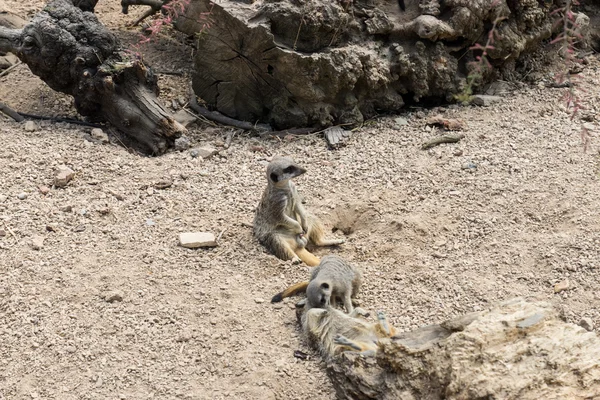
[
  {"x": 289, "y": 170},
  {"x": 325, "y": 285},
  {"x": 274, "y": 177}
]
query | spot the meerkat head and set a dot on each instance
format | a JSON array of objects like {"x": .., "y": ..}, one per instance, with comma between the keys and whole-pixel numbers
[
  {"x": 318, "y": 294},
  {"x": 282, "y": 169}
]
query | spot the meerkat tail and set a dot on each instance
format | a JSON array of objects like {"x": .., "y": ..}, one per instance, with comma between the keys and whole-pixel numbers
[
  {"x": 309, "y": 258},
  {"x": 290, "y": 291}
]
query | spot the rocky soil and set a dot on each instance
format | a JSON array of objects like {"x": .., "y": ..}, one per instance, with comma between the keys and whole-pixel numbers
[{"x": 98, "y": 301}]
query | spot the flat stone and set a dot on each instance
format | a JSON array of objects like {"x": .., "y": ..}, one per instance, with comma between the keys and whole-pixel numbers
[
  {"x": 485, "y": 100},
  {"x": 63, "y": 176},
  {"x": 184, "y": 118},
  {"x": 99, "y": 134},
  {"x": 205, "y": 152},
  {"x": 400, "y": 121},
  {"x": 44, "y": 190},
  {"x": 194, "y": 240},
  {"x": 530, "y": 321}
]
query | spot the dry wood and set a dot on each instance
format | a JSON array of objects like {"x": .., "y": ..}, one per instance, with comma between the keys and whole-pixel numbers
[
  {"x": 107, "y": 82},
  {"x": 11, "y": 113},
  {"x": 448, "y": 138}
]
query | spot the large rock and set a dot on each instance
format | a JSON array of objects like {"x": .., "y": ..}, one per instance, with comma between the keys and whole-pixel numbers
[{"x": 515, "y": 350}]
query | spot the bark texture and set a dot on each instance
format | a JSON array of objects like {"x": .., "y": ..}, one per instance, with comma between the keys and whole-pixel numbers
[
  {"x": 74, "y": 53},
  {"x": 324, "y": 62}
]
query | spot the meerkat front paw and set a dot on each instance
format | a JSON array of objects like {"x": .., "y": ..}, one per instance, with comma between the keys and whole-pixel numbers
[
  {"x": 301, "y": 240},
  {"x": 296, "y": 260}
]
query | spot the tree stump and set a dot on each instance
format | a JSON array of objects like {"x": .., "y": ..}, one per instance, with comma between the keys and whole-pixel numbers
[
  {"x": 323, "y": 62},
  {"x": 74, "y": 53},
  {"x": 515, "y": 350}
]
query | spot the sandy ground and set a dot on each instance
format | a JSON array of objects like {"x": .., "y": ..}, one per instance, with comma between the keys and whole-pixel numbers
[{"x": 509, "y": 211}]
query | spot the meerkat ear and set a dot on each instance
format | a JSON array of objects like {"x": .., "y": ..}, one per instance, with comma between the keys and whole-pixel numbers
[{"x": 274, "y": 177}]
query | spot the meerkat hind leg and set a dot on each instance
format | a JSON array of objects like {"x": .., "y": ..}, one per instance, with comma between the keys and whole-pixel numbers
[
  {"x": 309, "y": 259},
  {"x": 344, "y": 341},
  {"x": 283, "y": 248},
  {"x": 383, "y": 323},
  {"x": 348, "y": 303}
]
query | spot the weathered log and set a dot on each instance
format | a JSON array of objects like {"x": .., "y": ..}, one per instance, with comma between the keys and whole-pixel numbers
[
  {"x": 74, "y": 53},
  {"x": 515, "y": 350},
  {"x": 323, "y": 62}
]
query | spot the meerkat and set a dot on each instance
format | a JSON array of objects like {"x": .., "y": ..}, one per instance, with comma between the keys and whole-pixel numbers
[
  {"x": 281, "y": 223},
  {"x": 331, "y": 280},
  {"x": 333, "y": 331}
]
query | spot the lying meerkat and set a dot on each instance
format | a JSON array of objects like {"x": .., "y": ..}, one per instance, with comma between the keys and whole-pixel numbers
[
  {"x": 333, "y": 331},
  {"x": 331, "y": 280},
  {"x": 281, "y": 223}
]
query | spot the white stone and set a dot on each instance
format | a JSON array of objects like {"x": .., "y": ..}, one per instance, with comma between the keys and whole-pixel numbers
[{"x": 193, "y": 240}]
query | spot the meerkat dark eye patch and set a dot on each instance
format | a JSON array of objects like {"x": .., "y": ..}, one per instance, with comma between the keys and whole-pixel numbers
[
  {"x": 274, "y": 177},
  {"x": 325, "y": 285},
  {"x": 289, "y": 170}
]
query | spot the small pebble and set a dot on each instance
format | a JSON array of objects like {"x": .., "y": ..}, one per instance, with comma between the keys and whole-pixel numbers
[
  {"x": 79, "y": 228},
  {"x": 220, "y": 353},
  {"x": 37, "y": 242},
  {"x": 113, "y": 296},
  {"x": 194, "y": 153},
  {"x": 22, "y": 196},
  {"x": 150, "y": 222},
  {"x": 44, "y": 190},
  {"x": 99, "y": 134},
  {"x": 63, "y": 176},
  {"x": 259, "y": 301},
  {"x": 587, "y": 324},
  {"x": 560, "y": 286},
  {"x": 182, "y": 143}
]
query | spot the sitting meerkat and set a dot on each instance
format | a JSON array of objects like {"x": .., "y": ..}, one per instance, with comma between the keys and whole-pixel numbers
[
  {"x": 333, "y": 331},
  {"x": 331, "y": 280},
  {"x": 281, "y": 223}
]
